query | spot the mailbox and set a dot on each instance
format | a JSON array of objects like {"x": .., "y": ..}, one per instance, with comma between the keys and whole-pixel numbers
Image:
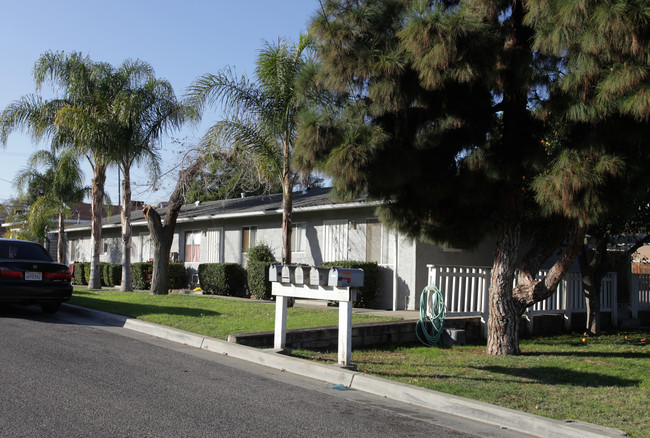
[
  {"x": 342, "y": 277},
  {"x": 301, "y": 275},
  {"x": 318, "y": 276},
  {"x": 275, "y": 272},
  {"x": 287, "y": 274}
]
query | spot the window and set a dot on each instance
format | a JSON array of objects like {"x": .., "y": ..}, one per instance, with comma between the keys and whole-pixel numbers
[
  {"x": 373, "y": 240},
  {"x": 298, "y": 239},
  {"x": 192, "y": 246},
  {"x": 248, "y": 237},
  {"x": 336, "y": 240}
]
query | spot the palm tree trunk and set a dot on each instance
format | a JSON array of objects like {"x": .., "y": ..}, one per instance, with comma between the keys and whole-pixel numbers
[
  {"x": 97, "y": 208},
  {"x": 287, "y": 205},
  {"x": 127, "y": 234},
  {"x": 60, "y": 248}
]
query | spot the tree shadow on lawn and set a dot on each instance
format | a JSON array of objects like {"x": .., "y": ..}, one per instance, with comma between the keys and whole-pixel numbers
[
  {"x": 138, "y": 310},
  {"x": 560, "y": 376},
  {"x": 592, "y": 354}
]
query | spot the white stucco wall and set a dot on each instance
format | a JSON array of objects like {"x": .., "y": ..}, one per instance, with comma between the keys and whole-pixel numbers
[{"x": 412, "y": 257}]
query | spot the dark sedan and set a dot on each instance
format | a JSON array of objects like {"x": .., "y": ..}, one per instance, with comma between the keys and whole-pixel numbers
[{"x": 28, "y": 275}]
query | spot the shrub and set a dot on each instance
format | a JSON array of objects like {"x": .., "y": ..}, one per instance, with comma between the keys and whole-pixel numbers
[
  {"x": 258, "y": 279},
  {"x": 260, "y": 257},
  {"x": 141, "y": 275},
  {"x": 79, "y": 273},
  {"x": 111, "y": 274},
  {"x": 102, "y": 267},
  {"x": 177, "y": 276},
  {"x": 371, "y": 278},
  {"x": 86, "y": 272},
  {"x": 260, "y": 253},
  {"x": 223, "y": 279}
]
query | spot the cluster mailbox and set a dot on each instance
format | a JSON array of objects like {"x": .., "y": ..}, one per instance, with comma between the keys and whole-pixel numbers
[
  {"x": 316, "y": 276},
  {"x": 338, "y": 284}
]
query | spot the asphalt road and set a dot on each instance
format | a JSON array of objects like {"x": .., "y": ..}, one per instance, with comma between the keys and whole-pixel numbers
[{"x": 78, "y": 379}]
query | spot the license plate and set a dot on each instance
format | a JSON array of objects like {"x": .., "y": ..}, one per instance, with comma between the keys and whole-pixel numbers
[{"x": 34, "y": 276}]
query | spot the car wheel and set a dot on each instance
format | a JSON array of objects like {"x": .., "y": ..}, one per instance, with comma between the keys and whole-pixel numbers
[{"x": 50, "y": 307}]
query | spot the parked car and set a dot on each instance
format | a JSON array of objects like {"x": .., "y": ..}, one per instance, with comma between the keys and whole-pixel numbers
[{"x": 28, "y": 275}]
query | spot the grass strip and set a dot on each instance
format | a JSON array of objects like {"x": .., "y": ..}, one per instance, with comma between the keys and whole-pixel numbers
[
  {"x": 603, "y": 380},
  {"x": 212, "y": 316}
]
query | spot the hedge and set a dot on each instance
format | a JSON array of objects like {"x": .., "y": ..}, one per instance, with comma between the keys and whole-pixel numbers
[
  {"x": 371, "y": 280},
  {"x": 79, "y": 272},
  {"x": 102, "y": 269},
  {"x": 177, "y": 276},
  {"x": 260, "y": 257},
  {"x": 112, "y": 274},
  {"x": 258, "y": 279},
  {"x": 223, "y": 279},
  {"x": 141, "y": 275}
]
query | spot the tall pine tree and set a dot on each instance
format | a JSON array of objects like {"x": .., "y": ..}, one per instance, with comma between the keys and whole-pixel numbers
[{"x": 450, "y": 107}]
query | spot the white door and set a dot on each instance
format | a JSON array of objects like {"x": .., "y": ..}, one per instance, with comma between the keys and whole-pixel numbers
[{"x": 336, "y": 240}]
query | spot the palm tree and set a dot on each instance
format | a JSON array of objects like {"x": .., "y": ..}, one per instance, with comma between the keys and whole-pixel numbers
[
  {"x": 59, "y": 186},
  {"x": 261, "y": 117},
  {"x": 79, "y": 119},
  {"x": 144, "y": 109}
]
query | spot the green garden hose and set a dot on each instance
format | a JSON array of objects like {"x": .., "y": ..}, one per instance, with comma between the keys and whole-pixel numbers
[{"x": 432, "y": 315}]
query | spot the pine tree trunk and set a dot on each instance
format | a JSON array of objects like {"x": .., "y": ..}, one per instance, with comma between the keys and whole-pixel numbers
[
  {"x": 97, "y": 208},
  {"x": 60, "y": 248},
  {"x": 592, "y": 269},
  {"x": 505, "y": 311},
  {"x": 593, "y": 311},
  {"x": 127, "y": 232}
]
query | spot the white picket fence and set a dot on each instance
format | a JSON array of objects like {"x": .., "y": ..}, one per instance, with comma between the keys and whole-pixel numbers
[
  {"x": 639, "y": 294},
  {"x": 465, "y": 291}
]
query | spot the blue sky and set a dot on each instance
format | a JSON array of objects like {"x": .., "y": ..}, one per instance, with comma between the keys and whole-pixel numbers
[{"x": 180, "y": 39}]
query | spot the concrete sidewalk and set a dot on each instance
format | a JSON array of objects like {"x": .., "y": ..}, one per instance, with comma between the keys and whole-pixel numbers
[{"x": 524, "y": 423}]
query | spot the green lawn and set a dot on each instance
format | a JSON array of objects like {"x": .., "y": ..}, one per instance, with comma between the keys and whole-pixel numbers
[
  {"x": 207, "y": 315},
  {"x": 604, "y": 380}
]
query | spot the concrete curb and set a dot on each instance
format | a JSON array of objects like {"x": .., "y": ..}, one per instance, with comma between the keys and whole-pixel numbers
[{"x": 454, "y": 405}]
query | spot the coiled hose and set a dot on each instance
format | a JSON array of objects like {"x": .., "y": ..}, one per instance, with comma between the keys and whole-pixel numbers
[{"x": 432, "y": 315}]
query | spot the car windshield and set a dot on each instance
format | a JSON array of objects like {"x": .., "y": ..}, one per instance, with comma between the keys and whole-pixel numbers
[{"x": 23, "y": 251}]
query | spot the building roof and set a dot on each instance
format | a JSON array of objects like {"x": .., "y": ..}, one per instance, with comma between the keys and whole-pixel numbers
[{"x": 311, "y": 200}]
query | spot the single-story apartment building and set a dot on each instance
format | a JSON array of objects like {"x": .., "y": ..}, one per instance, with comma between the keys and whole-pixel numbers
[{"x": 323, "y": 230}]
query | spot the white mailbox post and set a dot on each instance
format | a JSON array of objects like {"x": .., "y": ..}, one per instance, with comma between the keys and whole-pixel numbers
[{"x": 314, "y": 289}]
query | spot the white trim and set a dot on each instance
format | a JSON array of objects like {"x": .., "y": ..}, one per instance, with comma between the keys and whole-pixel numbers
[{"x": 140, "y": 222}]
